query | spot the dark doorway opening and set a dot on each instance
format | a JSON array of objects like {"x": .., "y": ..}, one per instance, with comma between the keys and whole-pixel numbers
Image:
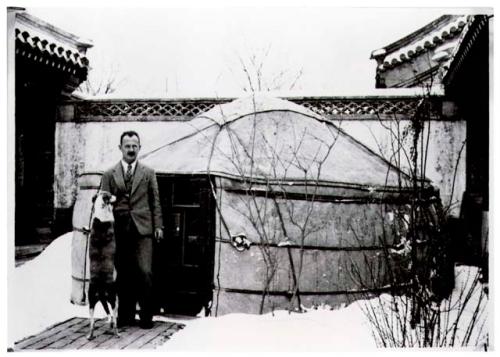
[
  {"x": 37, "y": 92},
  {"x": 183, "y": 264}
]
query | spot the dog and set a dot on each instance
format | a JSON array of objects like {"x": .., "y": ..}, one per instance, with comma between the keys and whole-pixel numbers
[{"x": 101, "y": 255}]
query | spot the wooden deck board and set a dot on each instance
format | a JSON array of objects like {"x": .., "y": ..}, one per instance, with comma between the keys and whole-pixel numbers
[
  {"x": 80, "y": 333},
  {"x": 52, "y": 335},
  {"x": 101, "y": 335},
  {"x": 163, "y": 337},
  {"x": 149, "y": 335},
  {"x": 72, "y": 335},
  {"x": 79, "y": 341},
  {"x": 52, "y": 330},
  {"x": 133, "y": 334}
]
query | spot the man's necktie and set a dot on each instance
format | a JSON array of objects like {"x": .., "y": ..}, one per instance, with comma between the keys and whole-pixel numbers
[{"x": 128, "y": 177}]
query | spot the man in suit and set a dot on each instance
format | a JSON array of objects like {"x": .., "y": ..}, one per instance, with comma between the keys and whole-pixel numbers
[{"x": 138, "y": 218}]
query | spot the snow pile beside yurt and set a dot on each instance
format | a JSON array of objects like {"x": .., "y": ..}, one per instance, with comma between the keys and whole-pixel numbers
[
  {"x": 318, "y": 330},
  {"x": 41, "y": 287},
  {"x": 461, "y": 320}
]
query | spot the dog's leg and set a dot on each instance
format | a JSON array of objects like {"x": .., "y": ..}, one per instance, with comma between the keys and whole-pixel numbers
[
  {"x": 90, "y": 336},
  {"x": 105, "y": 306},
  {"x": 110, "y": 315},
  {"x": 92, "y": 302},
  {"x": 113, "y": 318}
]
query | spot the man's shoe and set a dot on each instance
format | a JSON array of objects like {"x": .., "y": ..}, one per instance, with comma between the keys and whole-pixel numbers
[{"x": 146, "y": 325}]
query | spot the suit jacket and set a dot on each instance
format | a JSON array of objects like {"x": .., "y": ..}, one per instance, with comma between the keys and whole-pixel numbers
[{"x": 143, "y": 201}]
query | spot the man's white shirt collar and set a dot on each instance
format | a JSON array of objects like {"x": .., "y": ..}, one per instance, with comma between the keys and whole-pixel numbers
[{"x": 125, "y": 166}]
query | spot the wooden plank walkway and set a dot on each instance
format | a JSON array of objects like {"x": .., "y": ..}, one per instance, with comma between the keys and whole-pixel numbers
[{"x": 71, "y": 335}]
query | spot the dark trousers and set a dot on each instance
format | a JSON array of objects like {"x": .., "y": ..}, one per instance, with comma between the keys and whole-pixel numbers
[{"x": 134, "y": 280}]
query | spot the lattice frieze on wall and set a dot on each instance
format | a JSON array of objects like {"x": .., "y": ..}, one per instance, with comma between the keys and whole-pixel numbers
[
  {"x": 360, "y": 107},
  {"x": 187, "y": 109},
  {"x": 143, "y": 109}
]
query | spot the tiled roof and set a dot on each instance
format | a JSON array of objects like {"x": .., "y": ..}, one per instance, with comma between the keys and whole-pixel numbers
[
  {"x": 30, "y": 46},
  {"x": 444, "y": 32},
  {"x": 469, "y": 36},
  {"x": 42, "y": 42}
]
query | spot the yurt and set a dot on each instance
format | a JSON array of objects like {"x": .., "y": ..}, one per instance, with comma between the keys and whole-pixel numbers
[{"x": 267, "y": 206}]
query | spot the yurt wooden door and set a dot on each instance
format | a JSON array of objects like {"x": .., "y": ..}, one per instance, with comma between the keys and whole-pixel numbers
[{"x": 183, "y": 263}]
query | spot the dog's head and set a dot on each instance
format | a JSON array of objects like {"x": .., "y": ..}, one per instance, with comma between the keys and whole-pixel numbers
[{"x": 103, "y": 206}]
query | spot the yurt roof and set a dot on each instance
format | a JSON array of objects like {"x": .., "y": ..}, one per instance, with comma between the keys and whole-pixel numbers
[
  {"x": 269, "y": 139},
  {"x": 257, "y": 103}
]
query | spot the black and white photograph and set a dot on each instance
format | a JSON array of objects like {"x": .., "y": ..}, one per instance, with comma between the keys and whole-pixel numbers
[{"x": 222, "y": 177}]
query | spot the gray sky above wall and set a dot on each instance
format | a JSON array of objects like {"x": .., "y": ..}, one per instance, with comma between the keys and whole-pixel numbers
[{"x": 193, "y": 52}]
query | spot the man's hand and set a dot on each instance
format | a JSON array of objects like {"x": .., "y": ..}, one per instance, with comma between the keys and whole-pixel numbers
[{"x": 159, "y": 234}]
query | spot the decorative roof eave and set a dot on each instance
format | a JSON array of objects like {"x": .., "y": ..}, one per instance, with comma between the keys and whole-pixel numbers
[
  {"x": 476, "y": 25},
  {"x": 59, "y": 35},
  {"x": 43, "y": 43},
  {"x": 437, "y": 33},
  {"x": 40, "y": 50},
  {"x": 408, "y": 39}
]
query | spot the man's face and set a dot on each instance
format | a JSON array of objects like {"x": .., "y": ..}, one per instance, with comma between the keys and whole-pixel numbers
[{"x": 130, "y": 148}]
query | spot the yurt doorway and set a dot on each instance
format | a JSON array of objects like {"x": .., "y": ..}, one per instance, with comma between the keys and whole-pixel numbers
[{"x": 183, "y": 263}]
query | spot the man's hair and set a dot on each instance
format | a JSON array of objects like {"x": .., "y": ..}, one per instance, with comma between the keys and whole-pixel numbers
[{"x": 129, "y": 133}]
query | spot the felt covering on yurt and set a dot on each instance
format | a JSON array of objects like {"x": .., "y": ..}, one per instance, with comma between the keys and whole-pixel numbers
[
  {"x": 290, "y": 143},
  {"x": 301, "y": 191}
]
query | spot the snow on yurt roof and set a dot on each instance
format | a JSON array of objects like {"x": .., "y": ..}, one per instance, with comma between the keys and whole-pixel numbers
[
  {"x": 257, "y": 103},
  {"x": 265, "y": 138}
]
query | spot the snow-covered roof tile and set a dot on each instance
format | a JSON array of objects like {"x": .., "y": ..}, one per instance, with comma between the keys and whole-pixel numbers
[
  {"x": 41, "y": 41},
  {"x": 445, "y": 29}
]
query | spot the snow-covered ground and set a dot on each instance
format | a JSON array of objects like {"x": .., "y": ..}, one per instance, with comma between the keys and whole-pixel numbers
[
  {"x": 40, "y": 292},
  {"x": 317, "y": 330}
]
